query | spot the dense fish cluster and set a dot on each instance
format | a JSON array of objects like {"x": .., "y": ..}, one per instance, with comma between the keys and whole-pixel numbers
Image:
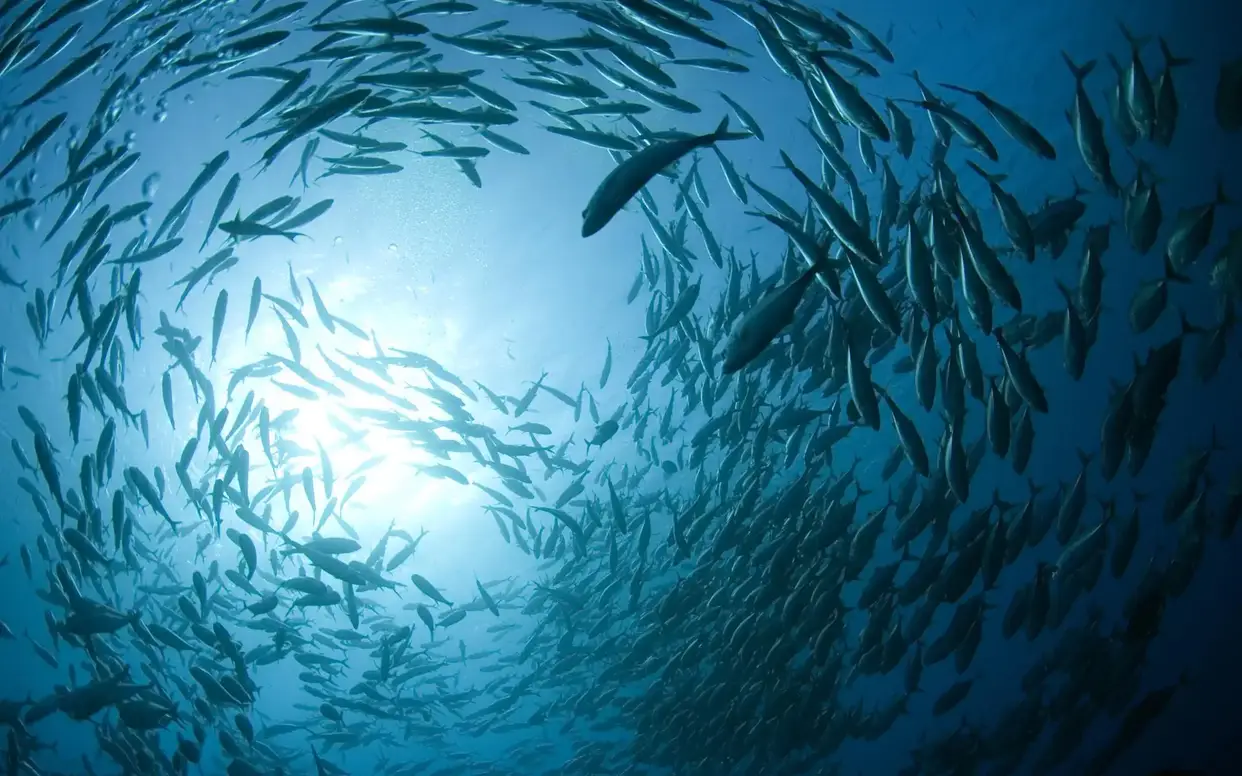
[{"x": 725, "y": 575}]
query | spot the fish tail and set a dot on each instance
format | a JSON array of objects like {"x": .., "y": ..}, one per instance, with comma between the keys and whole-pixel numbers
[
  {"x": 722, "y": 132},
  {"x": 1080, "y": 71},
  {"x": 1171, "y": 61},
  {"x": 961, "y": 89},
  {"x": 1136, "y": 42},
  {"x": 1221, "y": 197},
  {"x": 982, "y": 172}
]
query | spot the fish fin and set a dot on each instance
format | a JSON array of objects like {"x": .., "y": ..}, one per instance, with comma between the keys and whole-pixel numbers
[
  {"x": 991, "y": 177},
  {"x": 1171, "y": 61},
  {"x": 972, "y": 92},
  {"x": 722, "y": 132},
  {"x": 1080, "y": 71},
  {"x": 1136, "y": 41},
  {"x": 1221, "y": 197}
]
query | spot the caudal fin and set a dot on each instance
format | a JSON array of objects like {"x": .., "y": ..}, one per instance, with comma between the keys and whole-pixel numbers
[
  {"x": 1136, "y": 41},
  {"x": 722, "y": 132},
  {"x": 1080, "y": 71},
  {"x": 1221, "y": 197},
  {"x": 1171, "y": 61},
  {"x": 962, "y": 89}
]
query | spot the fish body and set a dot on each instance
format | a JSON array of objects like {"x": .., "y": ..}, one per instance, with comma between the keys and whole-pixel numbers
[{"x": 629, "y": 177}]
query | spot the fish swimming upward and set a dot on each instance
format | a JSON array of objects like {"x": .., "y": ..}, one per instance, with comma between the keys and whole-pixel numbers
[{"x": 629, "y": 177}]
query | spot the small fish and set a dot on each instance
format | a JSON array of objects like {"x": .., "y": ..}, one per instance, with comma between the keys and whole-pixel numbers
[{"x": 1014, "y": 125}]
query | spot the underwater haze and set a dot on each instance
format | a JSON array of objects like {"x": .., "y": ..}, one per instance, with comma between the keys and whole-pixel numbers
[{"x": 694, "y": 387}]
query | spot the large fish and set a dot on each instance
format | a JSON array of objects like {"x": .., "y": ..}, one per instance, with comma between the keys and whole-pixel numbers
[{"x": 629, "y": 177}]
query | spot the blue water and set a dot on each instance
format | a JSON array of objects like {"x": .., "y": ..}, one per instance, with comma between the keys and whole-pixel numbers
[{"x": 497, "y": 285}]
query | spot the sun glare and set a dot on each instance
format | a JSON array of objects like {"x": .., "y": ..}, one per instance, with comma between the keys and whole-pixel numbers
[
  {"x": 312, "y": 406},
  {"x": 395, "y": 490}
]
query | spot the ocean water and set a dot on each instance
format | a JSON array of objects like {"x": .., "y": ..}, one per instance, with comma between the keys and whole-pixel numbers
[{"x": 496, "y": 284}]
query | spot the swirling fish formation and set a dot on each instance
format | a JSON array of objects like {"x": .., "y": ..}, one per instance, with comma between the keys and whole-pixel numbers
[{"x": 738, "y": 644}]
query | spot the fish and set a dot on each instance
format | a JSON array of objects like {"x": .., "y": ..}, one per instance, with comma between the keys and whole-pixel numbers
[
  {"x": 1014, "y": 125},
  {"x": 629, "y": 177},
  {"x": 1088, "y": 129},
  {"x": 814, "y": 479},
  {"x": 762, "y": 323}
]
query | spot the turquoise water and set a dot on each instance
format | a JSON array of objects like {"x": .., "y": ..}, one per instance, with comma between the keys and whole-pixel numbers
[{"x": 495, "y": 283}]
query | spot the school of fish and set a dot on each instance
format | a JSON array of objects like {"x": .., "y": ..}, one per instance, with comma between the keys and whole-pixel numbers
[{"x": 713, "y": 583}]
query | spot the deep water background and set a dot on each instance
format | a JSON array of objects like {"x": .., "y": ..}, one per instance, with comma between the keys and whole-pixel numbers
[{"x": 498, "y": 286}]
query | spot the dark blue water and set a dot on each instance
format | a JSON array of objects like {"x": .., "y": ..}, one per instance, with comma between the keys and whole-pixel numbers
[{"x": 496, "y": 284}]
